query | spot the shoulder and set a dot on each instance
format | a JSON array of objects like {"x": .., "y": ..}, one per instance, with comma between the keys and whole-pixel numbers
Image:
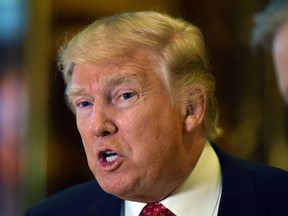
[
  {"x": 261, "y": 173},
  {"x": 83, "y": 199},
  {"x": 256, "y": 170},
  {"x": 271, "y": 186},
  {"x": 256, "y": 186},
  {"x": 270, "y": 181}
]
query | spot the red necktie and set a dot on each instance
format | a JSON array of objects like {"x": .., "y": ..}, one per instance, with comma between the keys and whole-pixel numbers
[{"x": 156, "y": 209}]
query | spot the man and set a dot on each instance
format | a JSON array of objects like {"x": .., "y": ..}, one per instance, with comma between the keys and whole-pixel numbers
[
  {"x": 143, "y": 96},
  {"x": 271, "y": 31}
]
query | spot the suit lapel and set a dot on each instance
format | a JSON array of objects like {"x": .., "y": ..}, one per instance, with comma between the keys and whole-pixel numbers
[{"x": 239, "y": 195}]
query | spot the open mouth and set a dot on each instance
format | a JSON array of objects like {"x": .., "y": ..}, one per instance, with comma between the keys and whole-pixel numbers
[
  {"x": 109, "y": 160},
  {"x": 109, "y": 156}
]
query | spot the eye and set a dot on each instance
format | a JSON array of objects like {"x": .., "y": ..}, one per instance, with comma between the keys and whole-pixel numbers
[
  {"x": 83, "y": 104},
  {"x": 127, "y": 95},
  {"x": 125, "y": 98}
]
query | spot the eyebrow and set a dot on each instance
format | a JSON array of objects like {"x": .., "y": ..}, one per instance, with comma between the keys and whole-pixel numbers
[
  {"x": 111, "y": 80},
  {"x": 73, "y": 92},
  {"x": 118, "y": 79}
]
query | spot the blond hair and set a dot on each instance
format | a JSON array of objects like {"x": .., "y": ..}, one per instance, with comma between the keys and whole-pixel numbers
[{"x": 175, "y": 48}]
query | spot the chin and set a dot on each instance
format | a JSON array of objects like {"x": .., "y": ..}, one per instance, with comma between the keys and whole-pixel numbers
[{"x": 114, "y": 186}]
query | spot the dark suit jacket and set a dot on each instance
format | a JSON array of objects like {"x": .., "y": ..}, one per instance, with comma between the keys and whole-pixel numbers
[{"x": 249, "y": 189}]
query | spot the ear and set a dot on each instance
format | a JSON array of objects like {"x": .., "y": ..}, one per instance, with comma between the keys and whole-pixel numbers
[{"x": 195, "y": 112}]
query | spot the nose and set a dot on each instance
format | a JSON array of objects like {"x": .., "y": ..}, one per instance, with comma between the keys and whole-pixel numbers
[{"x": 102, "y": 123}]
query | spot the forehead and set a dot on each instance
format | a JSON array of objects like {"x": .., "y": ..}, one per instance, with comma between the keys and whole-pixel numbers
[{"x": 111, "y": 74}]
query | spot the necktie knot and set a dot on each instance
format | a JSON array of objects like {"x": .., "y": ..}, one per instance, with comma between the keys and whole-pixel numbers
[{"x": 156, "y": 209}]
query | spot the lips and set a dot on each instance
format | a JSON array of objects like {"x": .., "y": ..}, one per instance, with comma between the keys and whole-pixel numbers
[{"x": 109, "y": 160}]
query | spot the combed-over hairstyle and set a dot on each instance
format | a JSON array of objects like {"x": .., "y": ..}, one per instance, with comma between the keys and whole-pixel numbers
[{"x": 174, "y": 47}]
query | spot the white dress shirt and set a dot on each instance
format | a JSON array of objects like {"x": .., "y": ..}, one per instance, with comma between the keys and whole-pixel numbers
[{"x": 199, "y": 195}]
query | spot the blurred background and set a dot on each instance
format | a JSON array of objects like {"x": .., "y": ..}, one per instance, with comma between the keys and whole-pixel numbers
[{"x": 40, "y": 149}]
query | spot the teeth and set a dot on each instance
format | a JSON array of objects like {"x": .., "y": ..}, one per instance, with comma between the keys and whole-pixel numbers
[{"x": 110, "y": 156}]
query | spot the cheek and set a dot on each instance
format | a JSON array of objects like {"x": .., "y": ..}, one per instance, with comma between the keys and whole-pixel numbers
[
  {"x": 83, "y": 129},
  {"x": 154, "y": 133},
  {"x": 81, "y": 126}
]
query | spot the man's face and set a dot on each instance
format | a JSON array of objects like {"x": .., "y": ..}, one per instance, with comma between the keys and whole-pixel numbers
[
  {"x": 280, "y": 57},
  {"x": 135, "y": 141}
]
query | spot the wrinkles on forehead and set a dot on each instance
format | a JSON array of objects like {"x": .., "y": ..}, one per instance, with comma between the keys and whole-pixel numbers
[
  {"x": 110, "y": 81},
  {"x": 133, "y": 69},
  {"x": 119, "y": 78}
]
